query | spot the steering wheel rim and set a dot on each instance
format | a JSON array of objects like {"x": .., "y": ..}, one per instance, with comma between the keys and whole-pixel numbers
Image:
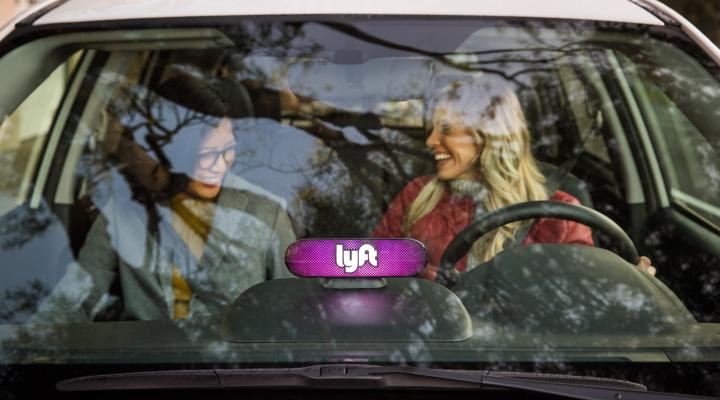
[{"x": 462, "y": 242}]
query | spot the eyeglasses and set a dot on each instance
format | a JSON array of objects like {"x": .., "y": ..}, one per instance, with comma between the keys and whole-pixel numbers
[{"x": 208, "y": 158}]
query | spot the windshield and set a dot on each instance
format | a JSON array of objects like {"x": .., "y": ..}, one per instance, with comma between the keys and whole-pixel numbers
[{"x": 152, "y": 181}]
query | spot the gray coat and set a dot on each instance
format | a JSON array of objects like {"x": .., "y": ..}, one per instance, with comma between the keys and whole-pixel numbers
[{"x": 246, "y": 245}]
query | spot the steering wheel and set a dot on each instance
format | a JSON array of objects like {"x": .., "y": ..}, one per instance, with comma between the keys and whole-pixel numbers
[{"x": 460, "y": 245}]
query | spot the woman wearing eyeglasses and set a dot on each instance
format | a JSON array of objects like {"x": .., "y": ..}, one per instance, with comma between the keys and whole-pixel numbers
[{"x": 189, "y": 236}]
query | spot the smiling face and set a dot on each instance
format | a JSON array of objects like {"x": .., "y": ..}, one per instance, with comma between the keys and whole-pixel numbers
[
  {"x": 215, "y": 156},
  {"x": 455, "y": 147}
]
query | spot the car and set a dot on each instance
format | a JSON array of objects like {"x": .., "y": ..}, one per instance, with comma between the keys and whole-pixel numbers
[{"x": 212, "y": 198}]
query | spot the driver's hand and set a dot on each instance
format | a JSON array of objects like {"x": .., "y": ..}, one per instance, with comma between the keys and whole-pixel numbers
[
  {"x": 645, "y": 265},
  {"x": 430, "y": 272}
]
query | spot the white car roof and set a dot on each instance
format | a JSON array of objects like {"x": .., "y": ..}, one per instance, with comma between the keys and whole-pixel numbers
[{"x": 105, "y": 10}]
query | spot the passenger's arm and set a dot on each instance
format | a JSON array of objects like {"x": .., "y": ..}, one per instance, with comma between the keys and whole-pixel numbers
[
  {"x": 82, "y": 292},
  {"x": 285, "y": 236}
]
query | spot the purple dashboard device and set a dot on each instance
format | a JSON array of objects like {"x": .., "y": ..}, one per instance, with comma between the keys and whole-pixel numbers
[{"x": 355, "y": 258}]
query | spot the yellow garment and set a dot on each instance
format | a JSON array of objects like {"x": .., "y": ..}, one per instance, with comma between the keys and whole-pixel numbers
[
  {"x": 192, "y": 220},
  {"x": 182, "y": 293}
]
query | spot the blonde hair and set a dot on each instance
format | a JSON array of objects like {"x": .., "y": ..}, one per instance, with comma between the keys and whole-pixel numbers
[{"x": 490, "y": 111}]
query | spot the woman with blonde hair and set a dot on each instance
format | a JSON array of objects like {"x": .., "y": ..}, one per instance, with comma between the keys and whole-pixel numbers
[{"x": 481, "y": 146}]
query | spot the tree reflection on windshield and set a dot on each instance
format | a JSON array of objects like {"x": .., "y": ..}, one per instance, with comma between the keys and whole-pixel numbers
[{"x": 329, "y": 122}]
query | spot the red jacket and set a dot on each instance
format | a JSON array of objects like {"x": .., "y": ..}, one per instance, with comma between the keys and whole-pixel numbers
[{"x": 453, "y": 213}]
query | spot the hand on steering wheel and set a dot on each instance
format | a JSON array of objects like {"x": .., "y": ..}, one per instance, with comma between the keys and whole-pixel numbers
[
  {"x": 460, "y": 245},
  {"x": 646, "y": 266}
]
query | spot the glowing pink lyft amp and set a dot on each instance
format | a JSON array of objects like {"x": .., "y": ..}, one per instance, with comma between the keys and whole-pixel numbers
[{"x": 355, "y": 258}]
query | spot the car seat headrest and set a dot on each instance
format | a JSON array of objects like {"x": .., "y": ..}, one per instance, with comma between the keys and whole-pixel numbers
[{"x": 217, "y": 97}]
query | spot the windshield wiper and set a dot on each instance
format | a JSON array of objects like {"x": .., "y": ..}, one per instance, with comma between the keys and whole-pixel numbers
[{"x": 353, "y": 376}]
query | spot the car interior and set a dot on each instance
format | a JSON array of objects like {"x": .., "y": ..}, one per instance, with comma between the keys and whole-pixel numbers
[{"x": 355, "y": 116}]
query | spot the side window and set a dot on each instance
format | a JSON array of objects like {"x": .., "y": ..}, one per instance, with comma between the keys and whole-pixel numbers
[
  {"x": 93, "y": 128},
  {"x": 33, "y": 242},
  {"x": 24, "y": 133},
  {"x": 595, "y": 172},
  {"x": 579, "y": 102},
  {"x": 690, "y": 162}
]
